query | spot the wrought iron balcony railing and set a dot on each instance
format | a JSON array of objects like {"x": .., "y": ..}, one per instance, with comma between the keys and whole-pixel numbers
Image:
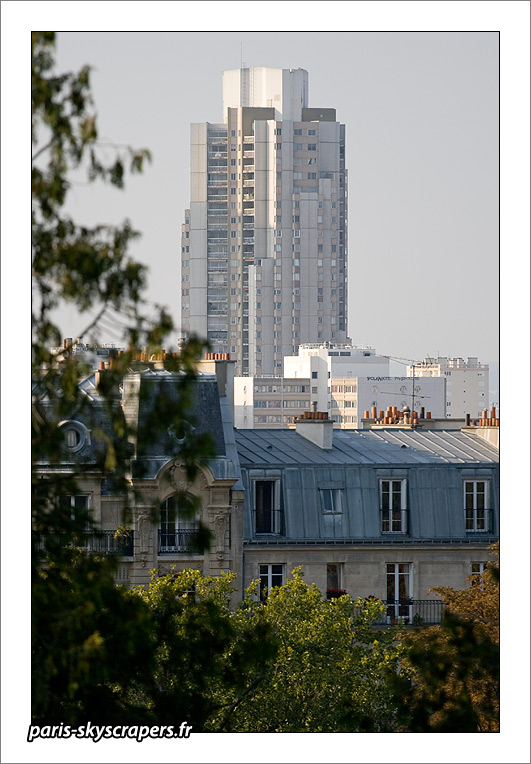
[
  {"x": 172, "y": 542},
  {"x": 412, "y": 612},
  {"x": 99, "y": 542}
]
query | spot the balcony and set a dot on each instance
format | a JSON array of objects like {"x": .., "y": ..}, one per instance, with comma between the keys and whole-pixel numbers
[
  {"x": 410, "y": 613},
  {"x": 176, "y": 542},
  {"x": 97, "y": 542},
  {"x": 106, "y": 542}
]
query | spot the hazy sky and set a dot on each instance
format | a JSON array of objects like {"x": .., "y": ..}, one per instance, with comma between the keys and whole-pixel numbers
[{"x": 421, "y": 113}]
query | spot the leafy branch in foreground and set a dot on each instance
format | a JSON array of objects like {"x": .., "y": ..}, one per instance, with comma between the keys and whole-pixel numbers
[
  {"x": 455, "y": 666},
  {"x": 88, "y": 639}
]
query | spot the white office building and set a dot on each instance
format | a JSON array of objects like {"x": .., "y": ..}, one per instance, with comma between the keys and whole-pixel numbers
[
  {"x": 326, "y": 376},
  {"x": 264, "y": 243},
  {"x": 322, "y": 363},
  {"x": 467, "y": 383},
  {"x": 423, "y": 395}
]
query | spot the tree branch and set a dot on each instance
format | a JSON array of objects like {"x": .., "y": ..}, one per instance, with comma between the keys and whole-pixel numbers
[
  {"x": 40, "y": 151},
  {"x": 231, "y": 708}
]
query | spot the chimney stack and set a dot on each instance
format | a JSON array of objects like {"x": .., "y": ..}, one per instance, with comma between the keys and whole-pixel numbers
[{"x": 316, "y": 427}]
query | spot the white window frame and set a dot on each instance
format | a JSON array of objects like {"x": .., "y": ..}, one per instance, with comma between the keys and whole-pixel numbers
[
  {"x": 265, "y": 571},
  {"x": 402, "y": 591},
  {"x": 393, "y": 520},
  {"x": 476, "y": 518},
  {"x": 339, "y": 568},
  {"x": 73, "y": 497},
  {"x": 179, "y": 525}
]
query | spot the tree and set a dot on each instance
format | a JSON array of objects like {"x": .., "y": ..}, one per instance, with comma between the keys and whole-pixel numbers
[
  {"x": 206, "y": 658},
  {"x": 87, "y": 635},
  {"x": 330, "y": 671},
  {"x": 451, "y": 682}
]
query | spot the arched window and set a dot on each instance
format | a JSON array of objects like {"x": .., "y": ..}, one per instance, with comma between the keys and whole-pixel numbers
[{"x": 176, "y": 533}]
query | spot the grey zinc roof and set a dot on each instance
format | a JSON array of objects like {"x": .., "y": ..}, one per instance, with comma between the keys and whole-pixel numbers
[{"x": 386, "y": 446}]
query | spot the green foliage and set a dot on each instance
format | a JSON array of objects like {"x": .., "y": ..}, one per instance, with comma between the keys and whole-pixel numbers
[
  {"x": 206, "y": 658},
  {"x": 90, "y": 640},
  {"x": 451, "y": 682},
  {"x": 329, "y": 674}
]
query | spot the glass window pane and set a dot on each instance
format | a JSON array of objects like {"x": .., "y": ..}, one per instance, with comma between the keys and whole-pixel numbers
[
  {"x": 390, "y": 587},
  {"x": 332, "y": 576},
  {"x": 264, "y": 506},
  {"x": 72, "y": 438}
]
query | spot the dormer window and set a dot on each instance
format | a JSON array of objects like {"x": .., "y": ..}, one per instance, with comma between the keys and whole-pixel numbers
[
  {"x": 393, "y": 506},
  {"x": 76, "y": 435},
  {"x": 267, "y": 508},
  {"x": 477, "y": 511},
  {"x": 331, "y": 500}
]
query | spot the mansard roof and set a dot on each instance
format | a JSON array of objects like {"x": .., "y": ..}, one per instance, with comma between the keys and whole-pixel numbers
[{"x": 369, "y": 447}]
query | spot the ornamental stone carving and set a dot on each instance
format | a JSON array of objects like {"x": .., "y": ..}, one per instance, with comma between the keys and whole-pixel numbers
[
  {"x": 173, "y": 477},
  {"x": 143, "y": 532},
  {"x": 220, "y": 529}
]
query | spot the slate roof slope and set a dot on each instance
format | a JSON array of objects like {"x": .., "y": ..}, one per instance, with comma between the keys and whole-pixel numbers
[
  {"x": 392, "y": 446},
  {"x": 157, "y": 443},
  {"x": 205, "y": 412}
]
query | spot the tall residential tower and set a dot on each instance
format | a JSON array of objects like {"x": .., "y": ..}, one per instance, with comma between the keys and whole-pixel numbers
[{"x": 264, "y": 243}]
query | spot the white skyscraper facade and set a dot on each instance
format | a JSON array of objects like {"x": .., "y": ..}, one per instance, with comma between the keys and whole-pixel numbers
[{"x": 264, "y": 243}]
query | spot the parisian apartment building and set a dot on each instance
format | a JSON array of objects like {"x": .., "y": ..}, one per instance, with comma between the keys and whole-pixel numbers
[{"x": 264, "y": 242}]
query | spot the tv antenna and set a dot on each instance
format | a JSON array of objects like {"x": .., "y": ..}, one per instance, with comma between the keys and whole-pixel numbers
[{"x": 413, "y": 364}]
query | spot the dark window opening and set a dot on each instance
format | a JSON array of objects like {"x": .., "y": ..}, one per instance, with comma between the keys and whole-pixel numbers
[{"x": 264, "y": 506}]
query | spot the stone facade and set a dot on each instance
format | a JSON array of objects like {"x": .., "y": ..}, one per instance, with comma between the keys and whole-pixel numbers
[{"x": 381, "y": 512}]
